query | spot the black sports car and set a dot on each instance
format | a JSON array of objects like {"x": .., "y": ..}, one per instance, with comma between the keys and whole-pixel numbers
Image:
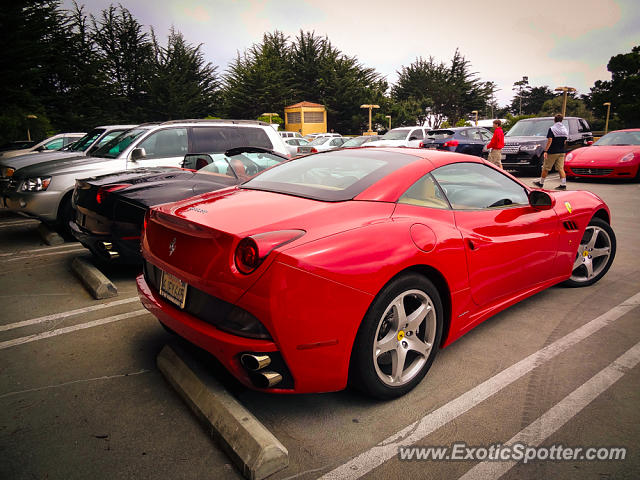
[
  {"x": 469, "y": 140},
  {"x": 110, "y": 208}
]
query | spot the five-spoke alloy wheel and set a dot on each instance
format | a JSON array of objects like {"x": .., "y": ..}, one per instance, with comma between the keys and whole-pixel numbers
[{"x": 595, "y": 254}]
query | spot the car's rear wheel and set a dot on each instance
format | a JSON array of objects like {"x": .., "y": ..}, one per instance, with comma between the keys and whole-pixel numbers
[
  {"x": 398, "y": 339},
  {"x": 66, "y": 213},
  {"x": 595, "y": 254}
]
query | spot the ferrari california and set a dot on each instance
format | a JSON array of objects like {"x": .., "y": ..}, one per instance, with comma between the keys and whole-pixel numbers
[
  {"x": 616, "y": 156},
  {"x": 355, "y": 266}
]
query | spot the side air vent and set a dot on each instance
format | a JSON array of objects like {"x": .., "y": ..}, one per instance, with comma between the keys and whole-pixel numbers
[{"x": 569, "y": 225}]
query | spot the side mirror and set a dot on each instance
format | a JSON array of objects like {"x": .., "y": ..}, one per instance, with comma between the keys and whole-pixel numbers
[
  {"x": 137, "y": 154},
  {"x": 540, "y": 200},
  {"x": 41, "y": 148}
]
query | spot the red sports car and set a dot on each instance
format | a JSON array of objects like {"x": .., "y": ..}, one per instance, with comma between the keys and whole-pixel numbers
[
  {"x": 616, "y": 155},
  {"x": 358, "y": 265}
]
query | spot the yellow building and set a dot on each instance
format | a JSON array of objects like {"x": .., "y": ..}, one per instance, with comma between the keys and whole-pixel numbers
[{"x": 306, "y": 118}]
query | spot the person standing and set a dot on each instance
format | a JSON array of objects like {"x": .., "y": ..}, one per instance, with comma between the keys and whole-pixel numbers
[
  {"x": 496, "y": 144},
  {"x": 554, "y": 152}
]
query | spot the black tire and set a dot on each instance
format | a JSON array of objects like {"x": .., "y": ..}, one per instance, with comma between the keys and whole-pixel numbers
[
  {"x": 374, "y": 373},
  {"x": 588, "y": 267},
  {"x": 66, "y": 213}
]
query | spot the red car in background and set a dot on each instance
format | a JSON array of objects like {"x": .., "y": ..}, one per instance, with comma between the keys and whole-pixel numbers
[
  {"x": 358, "y": 265},
  {"x": 615, "y": 155}
]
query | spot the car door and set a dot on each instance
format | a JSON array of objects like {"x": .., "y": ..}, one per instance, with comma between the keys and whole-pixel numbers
[
  {"x": 509, "y": 245},
  {"x": 415, "y": 137},
  {"x": 165, "y": 147}
]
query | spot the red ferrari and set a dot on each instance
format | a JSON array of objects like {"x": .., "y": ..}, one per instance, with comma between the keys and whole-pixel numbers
[
  {"x": 616, "y": 155},
  {"x": 356, "y": 266}
]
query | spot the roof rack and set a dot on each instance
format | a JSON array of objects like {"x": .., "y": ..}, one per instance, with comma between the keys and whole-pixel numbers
[{"x": 216, "y": 120}]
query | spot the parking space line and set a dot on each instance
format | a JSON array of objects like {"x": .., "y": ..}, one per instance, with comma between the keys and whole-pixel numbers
[
  {"x": 70, "y": 313},
  {"x": 74, "y": 328},
  {"x": 70, "y": 245},
  {"x": 388, "y": 448},
  {"x": 39, "y": 255},
  {"x": 553, "y": 419}
]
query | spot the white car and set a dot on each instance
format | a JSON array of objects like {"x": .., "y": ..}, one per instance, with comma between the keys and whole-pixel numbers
[
  {"x": 52, "y": 143},
  {"x": 322, "y": 144},
  {"x": 285, "y": 134},
  {"x": 297, "y": 146},
  {"x": 401, "y": 137}
]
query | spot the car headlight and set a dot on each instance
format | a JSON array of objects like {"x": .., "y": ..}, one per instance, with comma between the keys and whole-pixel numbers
[
  {"x": 528, "y": 148},
  {"x": 37, "y": 184},
  {"x": 7, "y": 172},
  {"x": 627, "y": 158}
]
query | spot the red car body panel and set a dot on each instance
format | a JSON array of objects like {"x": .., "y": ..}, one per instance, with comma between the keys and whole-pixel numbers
[{"x": 312, "y": 294}]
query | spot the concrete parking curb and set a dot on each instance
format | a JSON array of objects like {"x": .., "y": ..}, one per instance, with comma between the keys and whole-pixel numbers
[
  {"x": 93, "y": 279},
  {"x": 254, "y": 449},
  {"x": 50, "y": 238}
]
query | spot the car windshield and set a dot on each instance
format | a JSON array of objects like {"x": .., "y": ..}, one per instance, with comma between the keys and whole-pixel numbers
[
  {"x": 334, "y": 176},
  {"x": 620, "y": 138},
  {"x": 533, "y": 128},
  {"x": 355, "y": 142},
  {"x": 117, "y": 145},
  {"x": 438, "y": 134},
  {"x": 240, "y": 165},
  {"x": 320, "y": 140},
  {"x": 399, "y": 134},
  {"x": 85, "y": 142}
]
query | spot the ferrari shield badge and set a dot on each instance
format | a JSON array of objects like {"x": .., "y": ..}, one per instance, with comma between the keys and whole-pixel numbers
[{"x": 568, "y": 205}]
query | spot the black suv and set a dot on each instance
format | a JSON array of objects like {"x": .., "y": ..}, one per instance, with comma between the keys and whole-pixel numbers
[{"x": 525, "y": 142}]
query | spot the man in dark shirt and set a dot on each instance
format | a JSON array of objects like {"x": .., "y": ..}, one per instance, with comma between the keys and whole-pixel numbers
[{"x": 554, "y": 153}]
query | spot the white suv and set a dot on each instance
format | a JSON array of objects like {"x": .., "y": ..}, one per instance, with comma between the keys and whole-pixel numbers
[
  {"x": 285, "y": 134},
  {"x": 401, "y": 137}
]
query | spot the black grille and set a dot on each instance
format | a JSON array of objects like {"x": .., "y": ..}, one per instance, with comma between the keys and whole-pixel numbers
[
  {"x": 569, "y": 225},
  {"x": 592, "y": 171}
]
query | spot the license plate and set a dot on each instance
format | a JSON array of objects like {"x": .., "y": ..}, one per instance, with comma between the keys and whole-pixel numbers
[
  {"x": 431, "y": 147},
  {"x": 173, "y": 289}
]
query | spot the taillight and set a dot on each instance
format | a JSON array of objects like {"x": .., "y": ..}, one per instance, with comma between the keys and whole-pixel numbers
[
  {"x": 451, "y": 143},
  {"x": 104, "y": 191},
  {"x": 313, "y": 150},
  {"x": 421, "y": 145},
  {"x": 251, "y": 251}
]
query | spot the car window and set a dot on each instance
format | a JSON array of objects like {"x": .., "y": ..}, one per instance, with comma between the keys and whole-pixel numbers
[
  {"x": 117, "y": 145},
  {"x": 471, "y": 186},
  {"x": 475, "y": 134},
  {"x": 463, "y": 133},
  {"x": 166, "y": 143},
  {"x": 620, "y": 138},
  {"x": 54, "y": 144},
  {"x": 240, "y": 165},
  {"x": 417, "y": 134},
  {"x": 439, "y": 134},
  {"x": 584, "y": 126},
  {"x": 486, "y": 135},
  {"x": 84, "y": 143},
  {"x": 425, "y": 193},
  {"x": 533, "y": 128},
  {"x": 336, "y": 142},
  {"x": 337, "y": 175},
  {"x": 223, "y": 137},
  {"x": 396, "y": 134}
]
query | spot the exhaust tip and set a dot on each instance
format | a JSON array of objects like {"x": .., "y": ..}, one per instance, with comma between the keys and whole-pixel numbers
[
  {"x": 255, "y": 362},
  {"x": 266, "y": 379}
]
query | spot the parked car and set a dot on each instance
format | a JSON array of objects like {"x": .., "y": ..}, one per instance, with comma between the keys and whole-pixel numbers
[
  {"x": 44, "y": 190},
  {"x": 84, "y": 146},
  {"x": 524, "y": 143},
  {"x": 469, "y": 140},
  {"x": 615, "y": 155},
  {"x": 312, "y": 136},
  {"x": 322, "y": 144},
  {"x": 285, "y": 134},
  {"x": 357, "y": 265},
  {"x": 17, "y": 145},
  {"x": 360, "y": 141},
  {"x": 52, "y": 143},
  {"x": 401, "y": 137},
  {"x": 110, "y": 208},
  {"x": 297, "y": 146}
]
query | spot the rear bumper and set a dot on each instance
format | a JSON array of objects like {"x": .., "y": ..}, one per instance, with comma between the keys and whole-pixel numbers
[{"x": 122, "y": 250}]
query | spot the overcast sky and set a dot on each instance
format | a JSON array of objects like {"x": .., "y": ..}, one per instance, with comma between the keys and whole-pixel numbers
[{"x": 553, "y": 42}]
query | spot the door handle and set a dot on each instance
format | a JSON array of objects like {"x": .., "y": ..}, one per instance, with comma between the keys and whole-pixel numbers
[{"x": 471, "y": 245}]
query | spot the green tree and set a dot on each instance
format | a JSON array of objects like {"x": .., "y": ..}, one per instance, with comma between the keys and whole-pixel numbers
[
  {"x": 521, "y": 87},
  {"x": 575, "y": 108},
  {"x": 183, "y": 84},
  {"x": 532, "y": 98}
]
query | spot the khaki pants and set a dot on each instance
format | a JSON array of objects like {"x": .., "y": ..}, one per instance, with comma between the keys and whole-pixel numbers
[
  {"x": 495, "y": 157},
  {"x": 556, "y": 159}
]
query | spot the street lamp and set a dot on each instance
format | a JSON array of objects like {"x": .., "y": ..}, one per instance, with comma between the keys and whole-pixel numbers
[
  {"x": 566, "y": 90},
  {"x": 28, "y": 132},
  {"x": 606, "y": 123},
  {"x": 476, "y": 112},
  {"x": 389, "y": 117},
  {"x": 370, "y": 107}
]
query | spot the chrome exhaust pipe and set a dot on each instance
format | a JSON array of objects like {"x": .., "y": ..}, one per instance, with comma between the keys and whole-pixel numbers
[
  {"x": 113, "y": 255},
  {"x": 255, "y": 362},
  {"x": 107, "y": 246},
  {"x": 266, "y": 379}
]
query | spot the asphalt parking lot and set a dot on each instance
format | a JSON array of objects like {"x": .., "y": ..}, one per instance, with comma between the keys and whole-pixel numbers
[{"x": 81, "y": 396}]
